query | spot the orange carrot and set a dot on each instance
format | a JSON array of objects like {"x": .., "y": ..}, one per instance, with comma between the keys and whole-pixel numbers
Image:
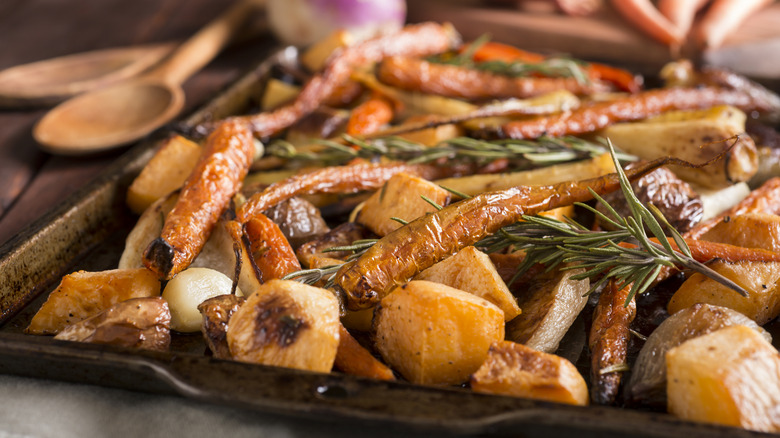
[
  {"x": 370, "y": 116},
  {"x": 722, "y": 18},
  {"x": 491, "y": 51},
  {"x": 271, "y": 252},
  {"x": 352, "y": 358},
  {"x": 704, "y": 251},
  {"x": 622, "y": 79},
  {"x": 646, "y": 17}
]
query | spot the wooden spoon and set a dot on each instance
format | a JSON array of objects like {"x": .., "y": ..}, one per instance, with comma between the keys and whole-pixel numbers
[
  {"x": 111, "y": 117},
  {"x": 53, "y": 80}
]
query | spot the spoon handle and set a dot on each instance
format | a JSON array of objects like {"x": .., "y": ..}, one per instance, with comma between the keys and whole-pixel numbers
[{"x": 202, "y": 47}]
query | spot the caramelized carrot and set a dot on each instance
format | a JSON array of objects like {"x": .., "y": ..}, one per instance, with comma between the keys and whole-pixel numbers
[
  {"x": 370, "y": 116},
  {"x": 649, "y": 20},
  {"x": 622, "y": 79},
  {"x": 414, "y": 40},
  {"x": 639, "y": 106},
  {"x": 722, "y": 18},
  {"x": 466, "y": 83},
  {"x": 400, "y": 255},
  {"x": 704, "y": 251},
  {"x": 352, "y": 358},
  {"x": 217, "y": 176},
  {"x": 492, "y": 51},
  {"x": 336, "y": 179},
  {"x": 272, "y": 255},
  {"x": 608, "y": 341}
]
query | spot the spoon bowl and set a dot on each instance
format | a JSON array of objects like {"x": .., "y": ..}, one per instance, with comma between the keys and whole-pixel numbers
[{"x": 109, "y": 117}]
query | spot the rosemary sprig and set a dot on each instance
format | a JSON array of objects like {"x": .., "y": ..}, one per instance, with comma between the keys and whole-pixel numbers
[
  {"x": 524, "y": 154},
  {"x": 552, "y": 242},
  {"x": 313, "y": 276}
]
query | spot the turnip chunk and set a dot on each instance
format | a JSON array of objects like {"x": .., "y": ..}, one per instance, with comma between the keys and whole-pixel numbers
[{"x": 190, "y": 288}]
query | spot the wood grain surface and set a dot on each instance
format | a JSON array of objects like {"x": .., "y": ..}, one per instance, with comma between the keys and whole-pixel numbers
[{"x": 31, "y": 181}]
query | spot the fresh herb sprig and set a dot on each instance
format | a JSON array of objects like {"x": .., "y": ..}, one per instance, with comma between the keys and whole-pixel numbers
[
  {"x": 313, "y": 276},
  {"x": 524, "y": 154},
  {"x": 552, "y": 242}
]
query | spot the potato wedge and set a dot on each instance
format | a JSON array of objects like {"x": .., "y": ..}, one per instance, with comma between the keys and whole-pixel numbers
[
  {"x": 434, "y": 334},
  {"x": 759, "y": 279},
  {"x": 730, "y": 377},
  {"x": 288, "y": 324},
  {"x": 82, "y": 294},
  {"x": 647, "y": 385},
  {"x": 750, "y": 230},
  {"x": 165, "y": 172},
  {"x": 550, "y": 305},
  {"x": 694, "y": 136},
  {"x": 476, "y": 184},
  {"x": 516, "y": 370},
  {"x": 400, "y": 197},
  {"x": 471, "y": 270}
]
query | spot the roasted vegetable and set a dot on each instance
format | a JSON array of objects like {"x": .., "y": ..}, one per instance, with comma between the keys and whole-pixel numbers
[
  {"x": 82, "y": 294},
  {"x": 749, "y": 230},
  {"x": 517, "y": 370},
  {"x": 136, "y": 323},
  {"x": 342, "y": 235},
  {"x": 222, "y": 166},
  {"x": 217, "y": 312},
  {"x": 272, "y": 256},
  {"x": 730, "y": 377},
  {"x": 352, "y": 358},
  {"x": 434, "y": 334},
  {"x": 288, "y": 324},
  {"x": 647, "y": 385},
  {"x": 299, "y": 220},
  {"x": 187, "y": 290}
]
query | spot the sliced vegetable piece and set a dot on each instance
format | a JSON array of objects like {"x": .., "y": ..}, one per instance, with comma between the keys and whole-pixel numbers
[
  {"x": 750, "y": 230},
  {"x": 352, "y": 358},
  {"x": 517, "y": 370}
]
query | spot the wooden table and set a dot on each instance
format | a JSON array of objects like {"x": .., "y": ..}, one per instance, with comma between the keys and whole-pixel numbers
[{"x": 31, "y": 181}]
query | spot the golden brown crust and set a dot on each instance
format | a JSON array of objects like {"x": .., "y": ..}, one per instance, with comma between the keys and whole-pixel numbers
[
  {"x": 272, "y": 254},
  {"x": 466, "y": 83},
  {"x": 608, "y": 342},
  {"x": 222, "y": 166},
  {"x": 637, "y": 106}
]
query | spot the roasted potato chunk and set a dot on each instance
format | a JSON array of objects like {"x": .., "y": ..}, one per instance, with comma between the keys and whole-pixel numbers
[
  {"x": 83, "y": 294},
  {"x": 165, "y": 172},
  {"x": 730, "y": 377},
  {"x": 136, "y": 323},
  {"x": 435, "y": 334},
  {"x": 400, "y": 197},
  {"x": 516, "y": 370},
  {"x": 749, "y": 230},
  {"x": 759, "y": 279},
  {"x": 287, "y": 324},
  {"x": 472, "y": 271}
]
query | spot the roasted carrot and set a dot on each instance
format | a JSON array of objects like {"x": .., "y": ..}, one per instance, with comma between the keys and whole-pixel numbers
[
  {"x": 765, "y": 199},
  {"x": 722, "y": 18},
  {"x": 467, "y": 83},
  {"x": 414, "y": 40},
  {"x": 681, "y": 12},
  {"x": 217, "y": 176},
  {"x": 492, "y": 51},
  {"x": 352, "y": 358},
  {"x": 370, "y": 116},
  {"x": 608, "y": 341},
  {"x": 704, "y": 251},
  {"x": 620, "y": 78},
  {"x": 638, "y": 106},
  {"x": 400, "y": 255},
  {"x": 336, "y": 179},
  {"x": 272, "y": 255},
  {"x": 649, "y": 20}
]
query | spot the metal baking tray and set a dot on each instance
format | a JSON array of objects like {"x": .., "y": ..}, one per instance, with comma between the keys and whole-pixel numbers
[{"x": 87, "y": 231}]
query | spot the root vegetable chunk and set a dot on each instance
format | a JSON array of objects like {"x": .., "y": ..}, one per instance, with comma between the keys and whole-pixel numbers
[
  {"x": 82, "y": 294},
  {"x": 760, "y": 279},
  {"x": 400, "y": 197},
  {"x": 730, "y": 377},
  {"x": 471, "y": 270},
  {"x": 516, "y": 370},
  {"x": 187, "y": 290},
  {"x": 287, "y": 324},
  {"x": 750, "y": 230},
  {"x": 434, "y": 334}
]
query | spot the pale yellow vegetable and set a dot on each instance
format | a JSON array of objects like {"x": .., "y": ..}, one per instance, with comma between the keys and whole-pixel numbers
[
  {"x": 147, "y": 228},
  {"x": 471, "y": 270},
  {"x": 82, "y": 294},
  {"x": 550, "y": 303},
  {"x": 476, "y": 184},
  {"x": 187, "y": 290},
  {"x": 278, "y": 93},
  {"x": 716, "y": 201},
  {"x": 516, "y": 370},
  {"x": 400, "y": 197},
  {"x": 759, "y": 279},
  {"x": 694, "y": 136},
  {"x": 434, "y": 334},
  {"x": 433, "y": 136},
  {"x": 749, "y": 230},
  {"x": 729, "y": 377},
  {"x": 315, "y": 56},
  {"x": 288, "y": 324},
  {"x": 164, "y": 173}
]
